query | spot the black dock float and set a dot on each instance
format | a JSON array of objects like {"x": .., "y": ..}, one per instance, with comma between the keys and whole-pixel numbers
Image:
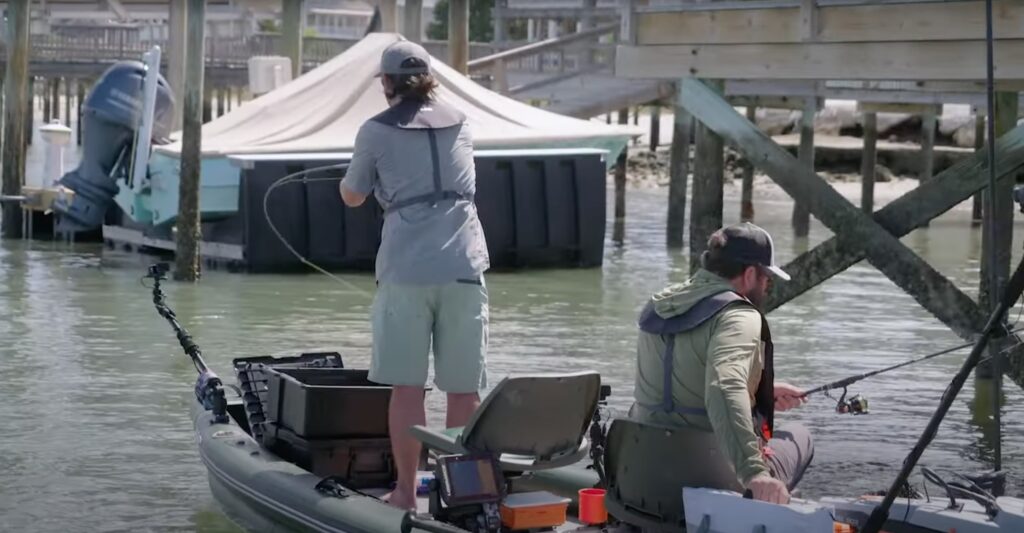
[{"x": 538, "y": 209}]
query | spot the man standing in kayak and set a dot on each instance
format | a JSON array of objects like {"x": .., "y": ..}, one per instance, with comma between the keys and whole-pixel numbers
[
  {"x": 417, "y": 160},
  {"x": 704, "y": 363}
]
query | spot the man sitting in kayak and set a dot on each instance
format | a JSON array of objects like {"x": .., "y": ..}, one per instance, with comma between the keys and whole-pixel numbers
[{"x": 704, "y": 362}]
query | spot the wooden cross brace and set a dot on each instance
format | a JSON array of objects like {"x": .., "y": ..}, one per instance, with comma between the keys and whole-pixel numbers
[{"x": 858, "y": 235}]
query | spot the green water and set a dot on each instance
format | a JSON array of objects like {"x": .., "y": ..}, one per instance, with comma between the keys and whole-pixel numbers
[{"x": 96, "y": 431}]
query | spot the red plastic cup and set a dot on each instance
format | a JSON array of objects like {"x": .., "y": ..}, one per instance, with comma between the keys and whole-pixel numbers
[{"x": 592, "y": 509}]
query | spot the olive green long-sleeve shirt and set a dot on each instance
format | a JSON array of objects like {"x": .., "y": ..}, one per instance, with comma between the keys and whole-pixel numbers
[{"x": 717, "y": 366}]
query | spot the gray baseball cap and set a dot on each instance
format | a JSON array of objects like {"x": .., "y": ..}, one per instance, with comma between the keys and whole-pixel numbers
[
  {"x": 749, "y": 244},
  {"x": 404, "y": 57}
]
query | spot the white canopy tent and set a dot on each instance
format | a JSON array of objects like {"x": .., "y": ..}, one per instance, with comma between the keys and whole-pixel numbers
[{"x": 322, "y": 110}]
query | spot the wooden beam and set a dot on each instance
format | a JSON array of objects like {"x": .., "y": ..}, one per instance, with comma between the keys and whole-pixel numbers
[
  {"x": 189, "y": 234},
  {"x": 17, "y": 106},
  {"x": 898, "y": 107},
  {"x": 903, "y": 215},
  {"x": 291, "y": 33},
  {"x": 708, "y": 177},
  {"x": 679, "y": 171},
  {"x": 854, "y": 229},
  {"x": 880, "y": 22},
  {"x": 925, "y": 61},
  {"x": 869, "y": 159},
  {"x": 458, "y": 35}
]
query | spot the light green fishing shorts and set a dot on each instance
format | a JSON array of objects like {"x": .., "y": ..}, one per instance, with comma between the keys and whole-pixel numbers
[{"x": 407, "y": 319}]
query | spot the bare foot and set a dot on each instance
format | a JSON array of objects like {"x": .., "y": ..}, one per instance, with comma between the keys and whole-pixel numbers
[{"x": 401, "y": 500}]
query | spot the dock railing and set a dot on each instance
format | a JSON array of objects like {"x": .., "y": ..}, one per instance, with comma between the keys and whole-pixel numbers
[{"x": 550, "y": 61}]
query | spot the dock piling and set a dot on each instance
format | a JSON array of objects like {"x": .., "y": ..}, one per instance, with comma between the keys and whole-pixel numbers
[
  {"x": 708, "y": 176},
  {"x": 679, "y": 171},
  {"x": 619, "y": 226},
  {"x": 869, "y": 159},
  {"x": 979, "y": 144},
  {"x": 18, "y": 106},
  {"x": 801, "y": 210},
  {"x": 189, "y": 235},
  {"x": 747, "y": 191},
  {"x": 655, "y": 126},
  {"x": 291, "y": 33},
  {"x": 928, "y": 120},
  {"x": 458, "y": 35}
]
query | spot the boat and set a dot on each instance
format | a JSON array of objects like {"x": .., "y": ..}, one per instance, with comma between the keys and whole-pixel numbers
[{"x": 536, "y": 455}]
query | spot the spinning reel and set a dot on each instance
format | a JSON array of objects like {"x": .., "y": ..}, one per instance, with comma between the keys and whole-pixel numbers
[{"x": 856, "y": 405}]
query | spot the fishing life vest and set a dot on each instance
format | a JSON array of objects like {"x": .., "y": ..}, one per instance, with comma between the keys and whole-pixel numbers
[
  {"x": 668, "y": 328},
  {"x": 428, "y": 117}
]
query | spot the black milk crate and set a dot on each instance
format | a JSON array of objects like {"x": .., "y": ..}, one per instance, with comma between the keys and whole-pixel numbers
[{"x": 253, "y": 374}]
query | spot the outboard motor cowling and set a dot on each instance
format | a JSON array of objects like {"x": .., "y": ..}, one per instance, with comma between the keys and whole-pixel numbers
[{"x": 110, "y": 117}]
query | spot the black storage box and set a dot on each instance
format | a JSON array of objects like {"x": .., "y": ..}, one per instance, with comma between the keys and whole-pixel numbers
[{"x": 327, "y": 403}]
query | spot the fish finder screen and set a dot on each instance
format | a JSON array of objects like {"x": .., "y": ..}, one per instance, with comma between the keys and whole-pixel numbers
[{"x": 472, "y": 479}]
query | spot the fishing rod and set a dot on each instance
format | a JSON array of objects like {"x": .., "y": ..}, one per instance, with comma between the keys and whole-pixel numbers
[
  {"x": 857, "y": 404},
  {"x": 209, "y": 388},
  {"x": 995, "y": 327}
]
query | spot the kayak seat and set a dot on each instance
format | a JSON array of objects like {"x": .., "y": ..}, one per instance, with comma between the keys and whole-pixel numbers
[
  {"x": 646, "y": 476},
  {"x": 528, "y": 422}
]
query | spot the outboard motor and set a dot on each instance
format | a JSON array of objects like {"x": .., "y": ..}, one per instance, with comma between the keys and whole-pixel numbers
[{"x": 110, "y": 116}]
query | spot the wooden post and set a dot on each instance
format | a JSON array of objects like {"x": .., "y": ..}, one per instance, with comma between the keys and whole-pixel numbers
[
  {"x": 747, "y": 191},
  {"x": 54, "y": 99},
  {"x": 412, "y": 26},
  {"x": 291, "y": 33},
  {"x": 79, "y": 102},
  {"x": 927, "y": 147},
  {"x": 30, "y": 110},
  {"x": 16, "y": 86},
  {"x": 221, "y": 102},
  {"x": 619, "y": 226},
  {"x": 988, "y": 295},
  {"x": 869, "y": 159},
  {"x": 679, "y": 171},
  {"x": 187, "y": 264},
  {"x": 176, "y": 46},
  {"x": 708, "y": 177},
  {"x": 46, "y": 100},
  {"x": 458, "y": 35},
  {"x": 498, "y": 16},
  {"x": 979, "y": 144},
  {"x": 67, "y": 102},
  {"x": 655, "y": 126},
  {"x": 801, "y": 209},
  {"x": 388, "y": 15},
  {"x": 207, "y": 102}
]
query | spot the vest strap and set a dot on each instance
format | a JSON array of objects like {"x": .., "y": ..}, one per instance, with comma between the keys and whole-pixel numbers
[
  {"x": 413, "y": 115},
  {"x": 668, "y": 328}
]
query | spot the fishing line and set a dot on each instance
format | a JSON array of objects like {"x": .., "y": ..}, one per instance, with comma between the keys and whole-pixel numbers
[
  {"x": 300, "y": 177},
  {"x": 845, "y": 382}
]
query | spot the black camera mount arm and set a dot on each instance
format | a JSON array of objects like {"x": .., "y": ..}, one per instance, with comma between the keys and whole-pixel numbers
[{"x": 209, "y": 388}]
